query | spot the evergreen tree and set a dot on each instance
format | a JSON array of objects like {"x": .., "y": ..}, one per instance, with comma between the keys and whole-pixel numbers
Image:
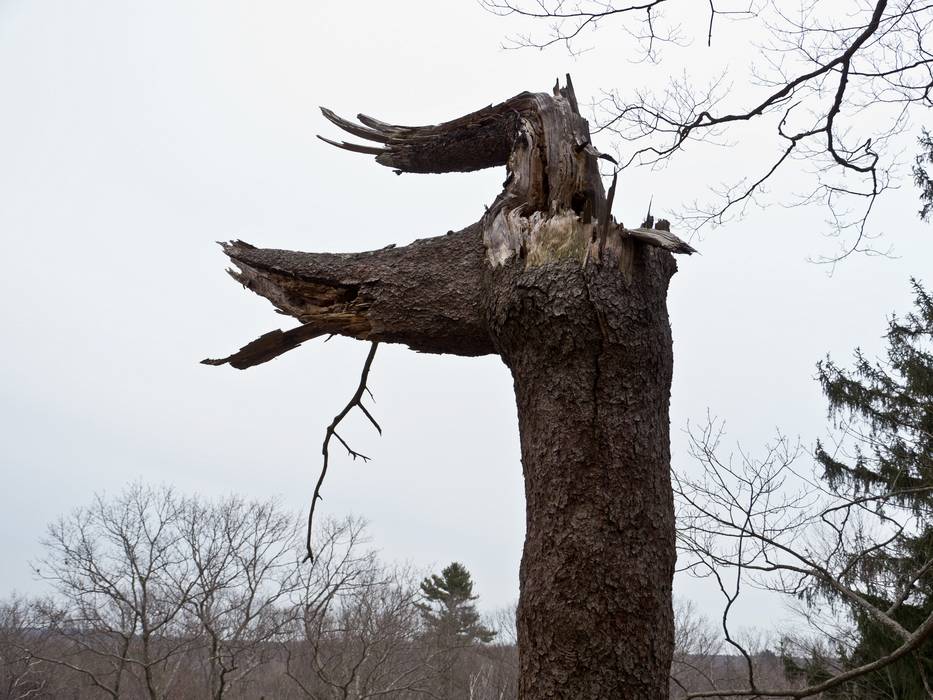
[
  {"x": 886, "y": 406},
  {"x": 450, "y": 611},
  {"x": 922, "y": 178}
]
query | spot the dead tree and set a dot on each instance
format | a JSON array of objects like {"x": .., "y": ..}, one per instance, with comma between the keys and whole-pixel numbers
[{"x": 574, "y": 304}]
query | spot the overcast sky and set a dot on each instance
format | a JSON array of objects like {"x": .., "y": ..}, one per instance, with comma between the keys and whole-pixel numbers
[{"x": 133, "y": 135}]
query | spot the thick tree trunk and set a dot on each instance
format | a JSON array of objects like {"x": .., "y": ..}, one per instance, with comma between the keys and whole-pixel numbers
[
  {"x": 591, "y": 358},
  {"x": 574, "y": 303}
]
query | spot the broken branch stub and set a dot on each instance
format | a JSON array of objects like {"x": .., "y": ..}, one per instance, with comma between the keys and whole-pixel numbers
[
  {"x": 428, "y": 295},
  {"x": 423, "y": 295},
  {"x": 553, "y": 203},
  {"x": 482, "y": 139}
]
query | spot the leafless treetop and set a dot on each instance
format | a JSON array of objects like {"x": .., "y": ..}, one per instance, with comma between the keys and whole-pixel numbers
[{"x": 835, "y": 81}]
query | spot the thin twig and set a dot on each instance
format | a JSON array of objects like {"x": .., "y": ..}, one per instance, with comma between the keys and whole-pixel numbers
[{"x": 355, "y": 401}]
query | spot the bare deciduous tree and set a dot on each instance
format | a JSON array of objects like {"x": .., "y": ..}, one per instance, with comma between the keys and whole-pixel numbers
[
  {"x": 20, "y": 674},
  {"x": 357, "y": 632},
  {"x": 115, "y": 567},
  {"x": 763, "y": 522},
  {"x": 696, "y": 646},
  {"x": 243, "y": 568},
  {"x": 160, "y": 596},
  {"x": 230, "y": 609},
  {"x": 835, "y": 81}
]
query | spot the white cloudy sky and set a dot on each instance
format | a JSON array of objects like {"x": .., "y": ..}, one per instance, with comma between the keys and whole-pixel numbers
[{"x": 133, "y": 135}]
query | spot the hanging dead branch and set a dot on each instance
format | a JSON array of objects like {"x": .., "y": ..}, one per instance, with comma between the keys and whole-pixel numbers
[{"x": 356, "y": 401}]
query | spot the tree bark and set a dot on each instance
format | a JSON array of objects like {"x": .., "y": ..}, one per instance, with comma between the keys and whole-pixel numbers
[
  {"x": 591, "y": 358},
  {"x": 425, "y": 295},
  {"x": 574, "y": 303}
]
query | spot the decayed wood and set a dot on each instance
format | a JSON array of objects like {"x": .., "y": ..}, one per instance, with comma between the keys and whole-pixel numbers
[
  {"x": 574, "y": 303},
  {"x": 272, "y": 344},
  {"x": 552, "y": 207},
  {"x": 482, "y": 139},
  {"x": 425, "y": 295}
]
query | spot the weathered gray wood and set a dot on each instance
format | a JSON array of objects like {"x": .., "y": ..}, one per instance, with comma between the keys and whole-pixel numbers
[{"x": 660, "y": 238}]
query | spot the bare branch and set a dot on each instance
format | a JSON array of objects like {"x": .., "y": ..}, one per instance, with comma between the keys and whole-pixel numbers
[{"x": 356, "y": 401}]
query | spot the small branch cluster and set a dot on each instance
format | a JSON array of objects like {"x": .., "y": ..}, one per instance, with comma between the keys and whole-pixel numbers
[{"x": 643, "y": 21}]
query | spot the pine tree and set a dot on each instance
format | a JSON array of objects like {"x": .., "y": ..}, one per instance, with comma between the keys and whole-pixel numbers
[
  {"x": 450, "y": 611},
  {"x": 922, "y": 178},
  {"x": 887, "y": 406}
]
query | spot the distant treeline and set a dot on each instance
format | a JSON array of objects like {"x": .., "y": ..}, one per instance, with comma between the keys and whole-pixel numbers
[{"x": 158, "y": 596}]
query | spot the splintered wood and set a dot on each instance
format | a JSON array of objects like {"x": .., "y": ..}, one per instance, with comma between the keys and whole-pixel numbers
[{"x": 553, "y": 207}]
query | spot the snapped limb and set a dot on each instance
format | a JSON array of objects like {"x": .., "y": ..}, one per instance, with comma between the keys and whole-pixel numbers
[{"x": 425, "y": 295}]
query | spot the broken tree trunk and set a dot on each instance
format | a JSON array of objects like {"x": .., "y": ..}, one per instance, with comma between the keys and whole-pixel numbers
[{"x": 574, "y": 303}]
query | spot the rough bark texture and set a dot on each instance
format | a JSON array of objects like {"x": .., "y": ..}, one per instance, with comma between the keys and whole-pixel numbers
[
  {"x": 425, "y": 295},
  {"x": 591, "y": 359},
  {"x": 574, "y": 303}
]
